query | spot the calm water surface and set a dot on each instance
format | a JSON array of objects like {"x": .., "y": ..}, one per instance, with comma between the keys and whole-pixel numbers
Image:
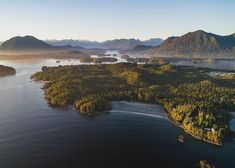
[
  {"x": 33, "y": 135},
  {"x": 220, "y": 64}
]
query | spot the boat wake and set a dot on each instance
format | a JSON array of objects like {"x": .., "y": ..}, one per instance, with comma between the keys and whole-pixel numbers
[
  {"x": 142, "y": 109},
  {"x": 161, "y": 116}
]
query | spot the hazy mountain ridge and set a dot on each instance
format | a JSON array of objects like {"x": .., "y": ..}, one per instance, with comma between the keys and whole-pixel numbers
[
  {"x": 141, "y": 47},
  {"x": 137, "y": 50},
  {"x": 198, "y": 43},
  {"x": 153, "y": 42},
  {"x": 25, "y": 43},
  {"x": 119, "y": 44},
  {"x": 74, "y": 43}
]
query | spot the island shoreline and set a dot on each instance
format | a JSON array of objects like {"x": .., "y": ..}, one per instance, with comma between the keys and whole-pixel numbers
[{"x": 103, "y": 97}]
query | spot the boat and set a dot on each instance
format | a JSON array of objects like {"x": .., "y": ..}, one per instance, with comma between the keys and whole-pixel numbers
[
  {"x": 57, "y": 61},
  {"x": 181, "y": 139}
]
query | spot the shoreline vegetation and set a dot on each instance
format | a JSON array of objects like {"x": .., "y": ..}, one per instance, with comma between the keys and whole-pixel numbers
[
  {"x": 98, "y": 60},
  {"x": 195, "y": 101},
  {"x": 6, "y": 71}
]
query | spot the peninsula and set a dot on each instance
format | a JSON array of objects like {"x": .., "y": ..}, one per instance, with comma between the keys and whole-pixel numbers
[{"x": 193, "y": 99}]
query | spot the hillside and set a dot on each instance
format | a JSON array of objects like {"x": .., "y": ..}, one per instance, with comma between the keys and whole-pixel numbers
[
  {"x": 121, "y": 44},
  {"x": 141, "y": 48},
  {"x": 153, "y": 42},
  {"x": 89, "y": 51},
  {"x": 24, "y": 43},
  {"x": 137, "y": 50},
  {"x": 198, "y": 43}
]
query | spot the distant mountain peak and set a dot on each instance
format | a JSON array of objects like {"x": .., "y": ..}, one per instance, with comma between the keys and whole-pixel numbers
[
  {"x": 198, "y": 43},
  {"x": 200, "y": 31},
  {"x": 27, "y": 42}
]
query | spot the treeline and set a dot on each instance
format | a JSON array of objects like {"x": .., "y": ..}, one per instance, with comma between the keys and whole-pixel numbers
[
  {"x": 92, "y": 104},
  {"x": 193, "y": 99},
  {"x": 98, "y": 60}
]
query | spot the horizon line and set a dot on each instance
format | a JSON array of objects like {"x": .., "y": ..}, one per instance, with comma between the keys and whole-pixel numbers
[{"x": 110, "y": 39}]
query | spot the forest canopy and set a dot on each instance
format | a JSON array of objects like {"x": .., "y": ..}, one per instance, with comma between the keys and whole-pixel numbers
[{"x": 192, "y": 98}]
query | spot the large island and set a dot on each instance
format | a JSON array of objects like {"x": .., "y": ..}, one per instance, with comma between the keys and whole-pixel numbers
[
  {"x": 193, "y": 99},
  {"x": 5, "y": 71}
]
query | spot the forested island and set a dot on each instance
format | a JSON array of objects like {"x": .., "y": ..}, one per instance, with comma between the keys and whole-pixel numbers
[
  {"x": 197, "y": 102},
  {"x": 5, "y": 71},
  {"x": 98, "y": 60}
]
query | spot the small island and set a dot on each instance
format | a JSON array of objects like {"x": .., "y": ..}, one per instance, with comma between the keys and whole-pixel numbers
[
  {"x": 98, "y": 60},
  {"x": 194, "y": 100},
  {"x": 6, "y": 71}
]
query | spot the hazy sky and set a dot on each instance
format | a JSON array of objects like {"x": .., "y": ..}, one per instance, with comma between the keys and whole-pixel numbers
[{"x": 109, "y": 19}]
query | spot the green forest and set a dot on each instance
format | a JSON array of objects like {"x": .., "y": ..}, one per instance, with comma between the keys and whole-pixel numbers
[{"x": 197, "y": 102}]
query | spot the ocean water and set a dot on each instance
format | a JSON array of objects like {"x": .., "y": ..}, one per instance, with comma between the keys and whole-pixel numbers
[
  {"x": 34, "y": 135},
  {"x": 219, "y": 64}
]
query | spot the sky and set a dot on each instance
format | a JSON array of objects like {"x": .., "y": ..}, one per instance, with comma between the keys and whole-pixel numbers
[{"x": 109, "y": 19}]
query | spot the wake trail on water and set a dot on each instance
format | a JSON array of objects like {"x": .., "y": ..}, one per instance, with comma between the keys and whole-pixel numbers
[
  {"x": 161, "y": 116},
  {"x": 136, "y": 108}
]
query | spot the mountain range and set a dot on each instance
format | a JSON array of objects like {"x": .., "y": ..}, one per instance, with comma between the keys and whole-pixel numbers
[
  {"x": 198, "y": 43},
  {"x": 192, "y": 44},
  {"x": 118, "y": 44}
]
